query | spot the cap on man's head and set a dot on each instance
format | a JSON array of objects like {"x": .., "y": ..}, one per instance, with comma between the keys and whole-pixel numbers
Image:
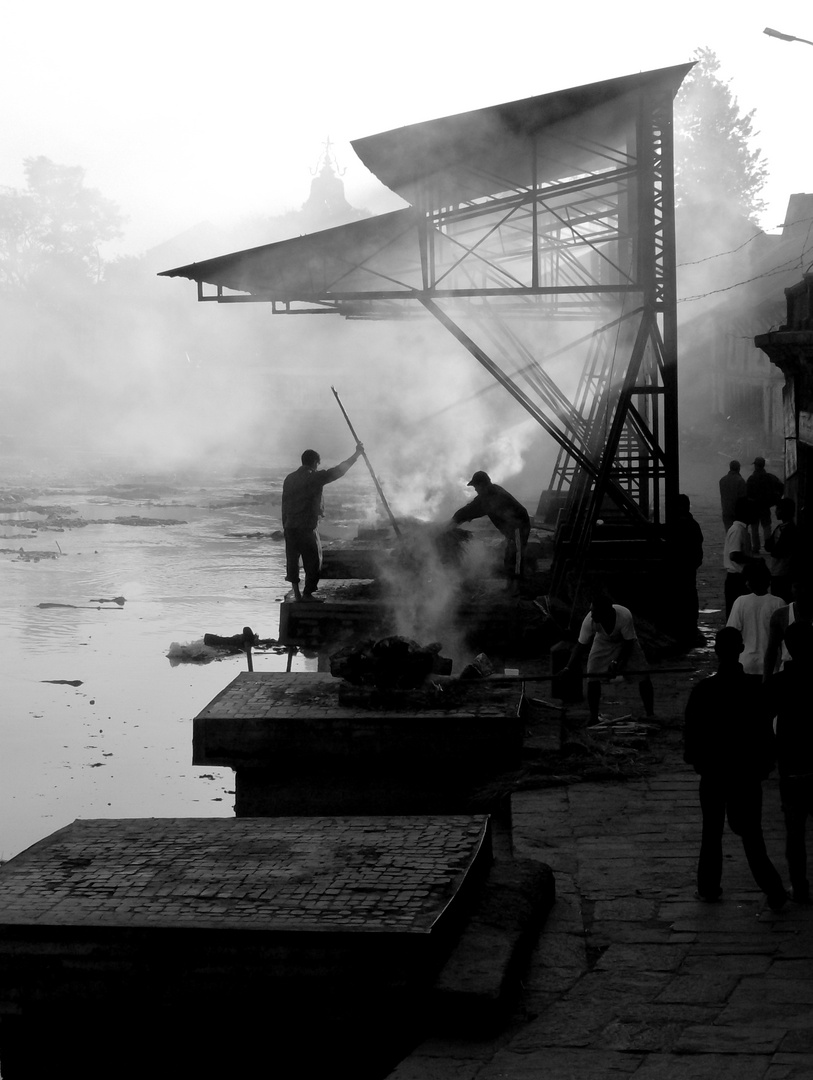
[
  {"x": 479, "y": 478},
  {"x": 759, "y": 461},
  {"x": 734, "y": 466}
]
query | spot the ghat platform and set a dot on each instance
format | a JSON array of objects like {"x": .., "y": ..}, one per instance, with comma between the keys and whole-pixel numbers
[
  {"x": 204, "y": 934},
  {"x": 296, "y": 750}
]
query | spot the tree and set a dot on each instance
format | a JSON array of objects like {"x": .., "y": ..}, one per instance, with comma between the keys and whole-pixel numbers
[
  {"x": 716, "y": 169},
  {"x": 54, "y": 226}
]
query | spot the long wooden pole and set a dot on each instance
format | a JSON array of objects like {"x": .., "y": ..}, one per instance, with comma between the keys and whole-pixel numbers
[{"x": 369, "y": 466}]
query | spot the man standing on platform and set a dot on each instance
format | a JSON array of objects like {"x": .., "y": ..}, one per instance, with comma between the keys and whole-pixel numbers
[{"x": 302, "y": 506}]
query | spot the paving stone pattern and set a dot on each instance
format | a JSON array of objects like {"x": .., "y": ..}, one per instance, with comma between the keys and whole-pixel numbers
[
  {"x": 360, "y": 874},
  {"x": 261, "y": 695},
  {"x": 632, "y": 976}
]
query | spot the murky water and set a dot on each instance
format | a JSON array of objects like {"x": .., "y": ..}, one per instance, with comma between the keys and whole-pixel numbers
[{"x": 120, "y": 744}]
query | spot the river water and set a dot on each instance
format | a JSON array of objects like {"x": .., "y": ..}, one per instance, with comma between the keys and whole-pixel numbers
[{"x": 104, "y": 604}]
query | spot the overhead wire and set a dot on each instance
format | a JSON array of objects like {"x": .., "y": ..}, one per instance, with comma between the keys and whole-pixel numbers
[
  {"x": 745, "y": 243},
  {"x": 782, "y": 268}
]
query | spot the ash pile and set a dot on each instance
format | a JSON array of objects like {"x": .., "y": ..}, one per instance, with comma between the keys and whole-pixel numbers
[{"x": 394, "y": 672}]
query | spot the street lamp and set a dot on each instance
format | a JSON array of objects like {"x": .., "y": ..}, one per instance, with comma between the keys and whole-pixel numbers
[{"x": 784, "y": 37}]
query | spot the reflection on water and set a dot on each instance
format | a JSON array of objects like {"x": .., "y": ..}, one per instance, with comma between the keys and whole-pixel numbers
[{"x": 119, "y": 744}]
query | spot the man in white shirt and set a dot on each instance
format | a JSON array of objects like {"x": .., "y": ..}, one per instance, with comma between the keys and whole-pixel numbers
[
  {"x": 751, "y": 615},
  {"x": 608, "y": 636},
  {"x": 737, "y": 553}
]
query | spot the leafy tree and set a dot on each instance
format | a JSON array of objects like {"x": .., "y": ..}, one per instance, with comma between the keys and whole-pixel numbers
[
  {"x": 716, "y": 168},
  {"x": 53, "y": 227}
]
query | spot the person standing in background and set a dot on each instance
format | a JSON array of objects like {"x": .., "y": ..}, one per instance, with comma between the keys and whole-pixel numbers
[
  {"x": 732, "y": 488},
  {"x": 685, "y": 559},
  {"x": 788, "y": 698},
  {"x": 800, "y": 610},
  {"x": 737, "y": 553},
  {"x": 751, "y": 615},
  {"x": 782, "y": 546},
  {"x": 764, "y": 490},
  {"x": 728, "y": 740}
]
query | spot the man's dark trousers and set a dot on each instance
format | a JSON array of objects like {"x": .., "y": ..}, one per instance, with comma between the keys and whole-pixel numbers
[
  {"x": 307, "y": 544},
  {"x": 741, "y": 800}
]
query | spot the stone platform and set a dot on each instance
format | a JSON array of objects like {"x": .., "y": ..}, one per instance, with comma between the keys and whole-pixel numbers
[
  {"x": 180, "y": 940},
  {"x": 283, "y": 876},
  {"x": 296, "y": 750}
]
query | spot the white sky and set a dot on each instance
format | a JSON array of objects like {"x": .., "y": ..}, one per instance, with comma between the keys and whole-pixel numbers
[{"x": 191, "y": 110}]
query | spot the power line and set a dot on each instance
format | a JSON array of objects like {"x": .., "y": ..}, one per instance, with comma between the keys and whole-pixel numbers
[
  {"x": 761, "y": 232},
  {"x": 781, "y": 269}
]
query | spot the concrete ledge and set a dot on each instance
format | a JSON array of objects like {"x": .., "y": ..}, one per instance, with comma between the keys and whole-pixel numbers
[{"x": 477, "y": 984}]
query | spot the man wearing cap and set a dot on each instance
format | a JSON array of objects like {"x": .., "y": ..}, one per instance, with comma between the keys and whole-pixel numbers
[
  {"x": 764, "y": 490},
  {"x": 506, "y": 513}
]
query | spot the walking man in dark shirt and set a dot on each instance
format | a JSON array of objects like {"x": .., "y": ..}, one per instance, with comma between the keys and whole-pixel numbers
[
  {"x": 302, "y": 506},
  {"x": 729, "y": 740},
  {"x": 788, "y": 696},
  {"x": 504, "y": 511}
]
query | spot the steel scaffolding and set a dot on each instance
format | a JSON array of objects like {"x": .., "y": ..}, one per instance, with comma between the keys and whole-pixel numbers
[{"x": 540, "y": 234}]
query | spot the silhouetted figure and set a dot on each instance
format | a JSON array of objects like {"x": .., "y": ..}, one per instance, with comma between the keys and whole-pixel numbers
[
  {"x": 764, "y": 490},
  {"x": 789, "y": 699},
  {"x": 608, "y": 637},
  {"x": 732, "y": 487},
  {"x": 782, "y": 546},
  {"x": 751, "y": 615},
  {"x": 737, "y": 553},
  {"x": 685, "y": 558},
  {"x": 506, "y": 513},
  {"x": 728, "y": 739},
  {"x": 800, "y": 609},
  {"x": 302, "y": 506}
]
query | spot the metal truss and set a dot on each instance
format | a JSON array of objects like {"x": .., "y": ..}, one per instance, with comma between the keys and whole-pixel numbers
[{"x": 557, "y": 274}]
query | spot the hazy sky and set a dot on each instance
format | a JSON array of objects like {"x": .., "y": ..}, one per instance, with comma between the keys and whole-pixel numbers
[{"x": 191, "y": 110}]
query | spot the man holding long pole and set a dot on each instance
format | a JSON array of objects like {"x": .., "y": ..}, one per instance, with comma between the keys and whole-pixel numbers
[{"x": 302, "y": 506}]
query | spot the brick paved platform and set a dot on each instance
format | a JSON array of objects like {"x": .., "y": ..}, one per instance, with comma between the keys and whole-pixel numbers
[
  {"x": 262, "y": 714},
  {"x": 296, "y": 750},
  {"x": 352, "y": 875}
]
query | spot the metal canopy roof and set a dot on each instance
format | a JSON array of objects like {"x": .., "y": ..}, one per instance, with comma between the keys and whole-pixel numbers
[
  {"x": 502, "y": 150},
  {"x": 530, "y": 222},
  {"x": 349, "y": 257},
  {"x": 470, "y": 154}
]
